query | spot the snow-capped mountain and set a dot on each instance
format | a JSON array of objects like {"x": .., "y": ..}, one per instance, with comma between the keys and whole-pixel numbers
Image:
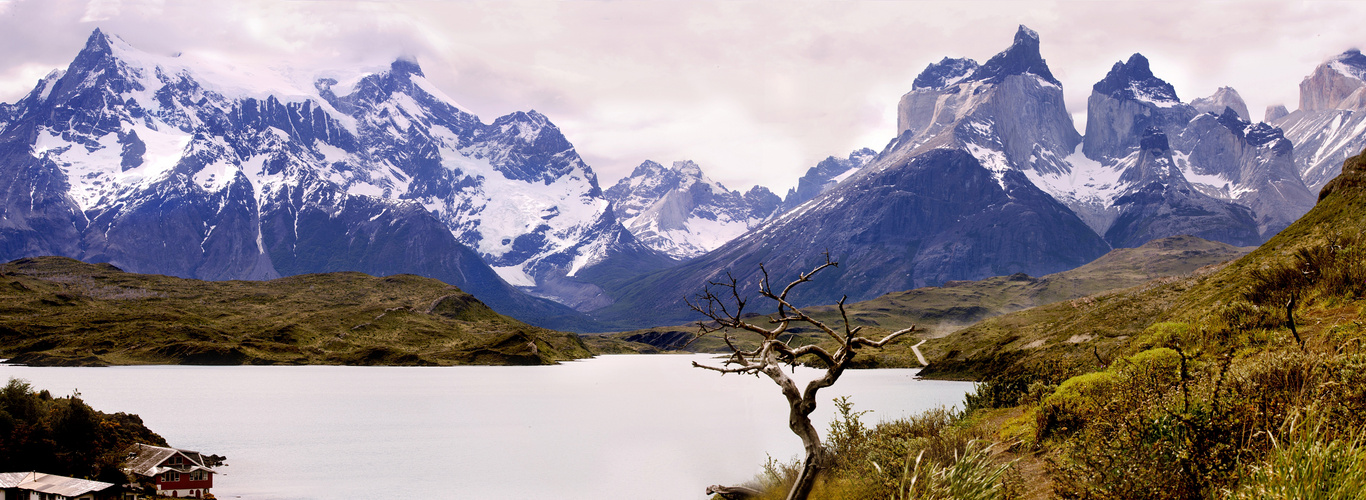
[
  {"x": 1151, "y": 166},
  {"x": 1330, "y": 124},
  {"x": 946, "y": 200},
  {"x": 1008, "y": 113},
  {"x": 680, "y": 212},
  {"x": 1225, "y": 97},
  {"x": 177, "y": 166},
  {"x": 989, "y": 176}
]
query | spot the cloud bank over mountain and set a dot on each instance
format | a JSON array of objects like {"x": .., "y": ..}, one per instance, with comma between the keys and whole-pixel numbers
[{"x": 757, "y": 91}]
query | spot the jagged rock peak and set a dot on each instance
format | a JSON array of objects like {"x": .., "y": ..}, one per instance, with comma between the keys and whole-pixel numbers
[
  {"x": 1261, "y": 133},
  {"x": 1230, "y": 119},
  {"x": 533, "y": 118},
  {"x": 645, "y": 168},
  {"x": 679, "y": 170},
  {"x": 688, "y": 168},
  {"x": 1256, "y": 134},
  {"x": 1351, "y": 63},
  {"x": 1338, "y": 83},
  {"x": 1154, "y": 139},
  {"x": 99, "y": 47},
  {"x": 406, "y": 65},
  {"x": 944, "y": 73},
  {"x": 1225, "y": 97},
  {"x": 825, "y": 175},
  {"x": 1134, "y": 80},
  {"x": 98, "y": 42},
  {"x": 1022, "y": 57},
  {"x": 1275, "y": 112}
]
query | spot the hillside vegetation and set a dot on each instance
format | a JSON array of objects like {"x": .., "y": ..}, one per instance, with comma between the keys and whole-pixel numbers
[
  {"x": 64, "y": 436},
  {"x": 1246, "y": 380},
  {"x": 938, "y": 311},
  {"x": 59, "y": 311}
]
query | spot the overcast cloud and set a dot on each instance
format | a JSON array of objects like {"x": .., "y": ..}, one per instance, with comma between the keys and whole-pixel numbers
[{"x": 756, "y": 92}]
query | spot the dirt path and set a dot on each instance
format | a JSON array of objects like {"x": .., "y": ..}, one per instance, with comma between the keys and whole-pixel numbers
[{"x": 916, "y": 349}]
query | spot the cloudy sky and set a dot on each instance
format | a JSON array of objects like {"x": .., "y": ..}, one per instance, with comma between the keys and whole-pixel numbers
[{"x": 756, "y": 92}]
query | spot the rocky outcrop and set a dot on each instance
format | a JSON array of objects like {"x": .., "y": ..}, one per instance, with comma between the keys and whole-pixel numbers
[
  {"x": 1127, "y": 102},
  {"x": 1275, "y": 112},
  {"x": 826, "y": 175},
  {"x": 1336, "y": 84},
  {"x": 1161, "y": 203},
  {"x": 1223, "y": 98},
  {"x": 1330, "y": 125},
  {"x": 1231, "y": 159}
]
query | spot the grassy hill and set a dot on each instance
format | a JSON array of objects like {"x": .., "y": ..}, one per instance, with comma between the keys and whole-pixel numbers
[
  {"x": 1212, "y": 301},
  {"x": 1238, "y": 381},
  {"x": 941, "y": 310},
  {"x": 59, "y": 311}
]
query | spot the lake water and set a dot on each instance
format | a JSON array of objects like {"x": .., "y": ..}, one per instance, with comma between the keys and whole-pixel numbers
[{"x": 629, "y": 426}]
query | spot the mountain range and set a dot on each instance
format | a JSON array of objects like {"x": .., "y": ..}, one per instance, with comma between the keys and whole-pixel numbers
[
  {"x": 171, "y": 165},
  {"x": 988, "y": 176}
]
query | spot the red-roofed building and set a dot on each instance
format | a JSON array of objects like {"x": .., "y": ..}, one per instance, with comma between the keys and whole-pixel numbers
[{"x": 172, "y": 472}]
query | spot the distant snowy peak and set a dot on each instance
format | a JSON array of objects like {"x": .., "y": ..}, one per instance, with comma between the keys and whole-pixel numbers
[
  {"x": 682, "y": 213},
  {"x": 825, "y": 175},
  {"x": 1133, "y": 80},
  {"x": 1330, "y": 124},
  {"x": 1339, "y": 83},
  {"x": 945, "y": 73},
  {"x": 1351, "y": 63},
  {"x": 651, "y": 182},
  {"x": 1225, "y": 97}
]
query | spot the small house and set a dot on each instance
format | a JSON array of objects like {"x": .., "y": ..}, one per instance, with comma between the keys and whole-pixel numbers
[
  {"x": 40, "y": 486},
  {"x": 172, "y": 472}
]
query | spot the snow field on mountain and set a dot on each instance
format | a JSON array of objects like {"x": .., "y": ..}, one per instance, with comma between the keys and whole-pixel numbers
[{"x": 95, "y": 174}]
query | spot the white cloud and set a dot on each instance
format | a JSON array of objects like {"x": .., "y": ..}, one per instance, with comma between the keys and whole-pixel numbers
[{"x": 755, "y": 92}]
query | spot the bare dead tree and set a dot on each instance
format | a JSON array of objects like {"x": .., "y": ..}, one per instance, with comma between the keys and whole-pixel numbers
[{"x": 723, "y": 304}]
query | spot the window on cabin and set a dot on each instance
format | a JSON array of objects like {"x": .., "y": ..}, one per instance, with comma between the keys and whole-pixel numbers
[
  {"x": 174, "y": 460},
  {"x": 170, "y": 477},
  {"x": 199, "y": 475}
]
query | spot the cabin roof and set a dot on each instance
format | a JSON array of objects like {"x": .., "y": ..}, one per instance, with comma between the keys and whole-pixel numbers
[
  {"x": 51, "y": 483},
  {"x": 146, "y": 460}
]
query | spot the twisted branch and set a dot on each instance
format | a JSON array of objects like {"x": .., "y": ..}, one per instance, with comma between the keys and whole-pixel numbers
[{"x": 773, "y": 351}]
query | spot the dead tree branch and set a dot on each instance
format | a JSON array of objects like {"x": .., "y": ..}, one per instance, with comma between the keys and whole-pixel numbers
[{"x": 723, "y": 304}]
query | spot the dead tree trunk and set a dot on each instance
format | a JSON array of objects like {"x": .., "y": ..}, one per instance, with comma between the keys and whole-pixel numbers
[{"x": 722, "y": 302}]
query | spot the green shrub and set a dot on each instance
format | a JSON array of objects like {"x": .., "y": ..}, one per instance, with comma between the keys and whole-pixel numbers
[
  {"x": 63, "y": 435},
  {"x": 1167, "y": 334}
]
